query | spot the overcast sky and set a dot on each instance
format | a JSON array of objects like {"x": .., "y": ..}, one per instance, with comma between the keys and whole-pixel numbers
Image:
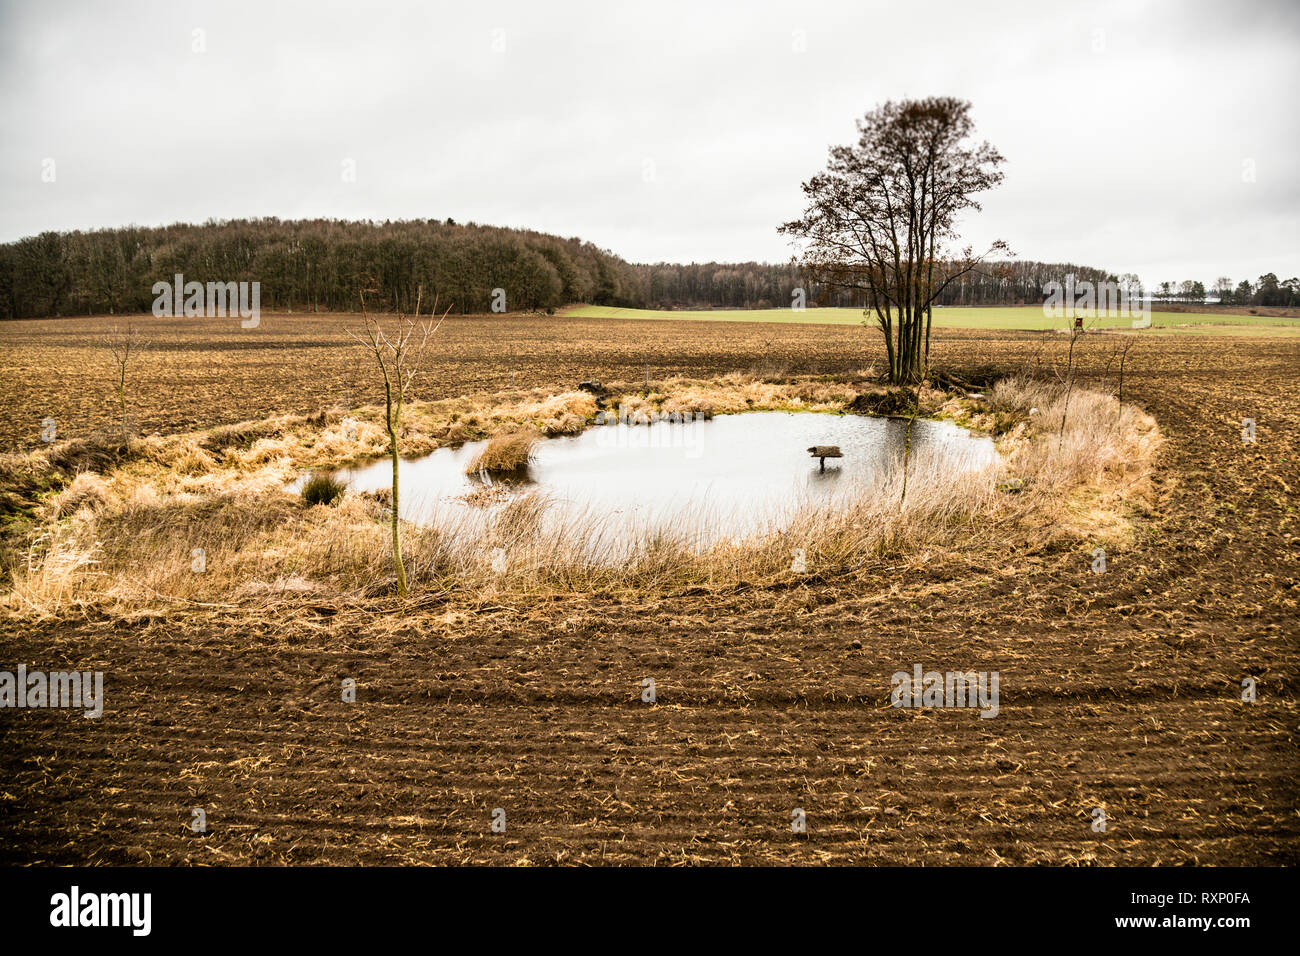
[{"x": 1159, "y": 138}]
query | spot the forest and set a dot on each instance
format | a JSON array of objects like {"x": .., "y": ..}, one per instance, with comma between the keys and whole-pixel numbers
[
  {"x": 324, "y": 265},
  {"x": 315, "y": 265}
]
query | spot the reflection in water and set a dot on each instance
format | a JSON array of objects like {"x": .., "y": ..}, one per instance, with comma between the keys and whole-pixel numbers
[{"x": 729, "y": 477}]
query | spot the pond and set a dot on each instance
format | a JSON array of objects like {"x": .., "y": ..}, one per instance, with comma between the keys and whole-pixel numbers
[{"x": 727, "y": 477}]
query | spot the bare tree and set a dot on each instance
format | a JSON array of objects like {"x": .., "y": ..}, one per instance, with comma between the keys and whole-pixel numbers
[
  {"x": 399, "y": 354},
  {"x": 880, "y": 217},
  {"x": 124, "y": 344},
  {"x": 1123, "y": 357},
  {"x": 1076, "y": 330}
]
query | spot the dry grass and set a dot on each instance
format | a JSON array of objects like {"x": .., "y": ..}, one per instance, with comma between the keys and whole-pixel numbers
[
  {"x": 507, "y": 454},
  {"x": 1101, "y": 459},
  {"x": 127, "y": 541}
]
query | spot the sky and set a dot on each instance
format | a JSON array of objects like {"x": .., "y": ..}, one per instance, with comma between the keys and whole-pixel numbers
[{"x": 1157, "y": 138}]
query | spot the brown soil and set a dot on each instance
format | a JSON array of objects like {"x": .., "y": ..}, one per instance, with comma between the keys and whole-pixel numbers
[{"x": 1120, "y": 690}]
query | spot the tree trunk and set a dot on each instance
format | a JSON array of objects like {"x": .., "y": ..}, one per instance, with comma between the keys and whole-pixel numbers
[
  {"x": 121, "y": 398},
  {"x": 397, "y": 532}
]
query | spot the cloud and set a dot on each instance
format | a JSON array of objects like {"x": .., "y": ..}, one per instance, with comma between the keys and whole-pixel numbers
[{"x": 669, "y": 131}]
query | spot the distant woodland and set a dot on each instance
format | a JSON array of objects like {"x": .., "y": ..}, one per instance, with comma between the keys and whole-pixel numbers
[{"x": 323, "y": 265}]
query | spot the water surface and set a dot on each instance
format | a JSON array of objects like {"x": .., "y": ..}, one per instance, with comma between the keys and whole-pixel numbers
[{"x": 732, "y": 476}]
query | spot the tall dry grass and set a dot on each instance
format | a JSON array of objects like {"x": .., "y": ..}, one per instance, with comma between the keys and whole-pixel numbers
[
  {"x": 505, "y": 454},
  {"x": 1101, "y": 444},
  {"x": 126, "y": 542}
]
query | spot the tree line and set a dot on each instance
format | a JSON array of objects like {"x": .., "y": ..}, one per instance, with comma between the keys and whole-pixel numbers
[
  {"x": 757, "y": 285},
  {"x": 323, "y": 265},
  {"x": 1268, "y": 290}
]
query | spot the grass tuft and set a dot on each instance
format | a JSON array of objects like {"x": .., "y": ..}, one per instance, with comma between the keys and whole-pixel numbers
[
  {"x": 507, "y": 454},
  {"x": 322, "y": 489}
]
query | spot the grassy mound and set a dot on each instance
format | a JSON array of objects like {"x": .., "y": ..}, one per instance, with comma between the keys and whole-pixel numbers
[{"x": 506, "y": 454}]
